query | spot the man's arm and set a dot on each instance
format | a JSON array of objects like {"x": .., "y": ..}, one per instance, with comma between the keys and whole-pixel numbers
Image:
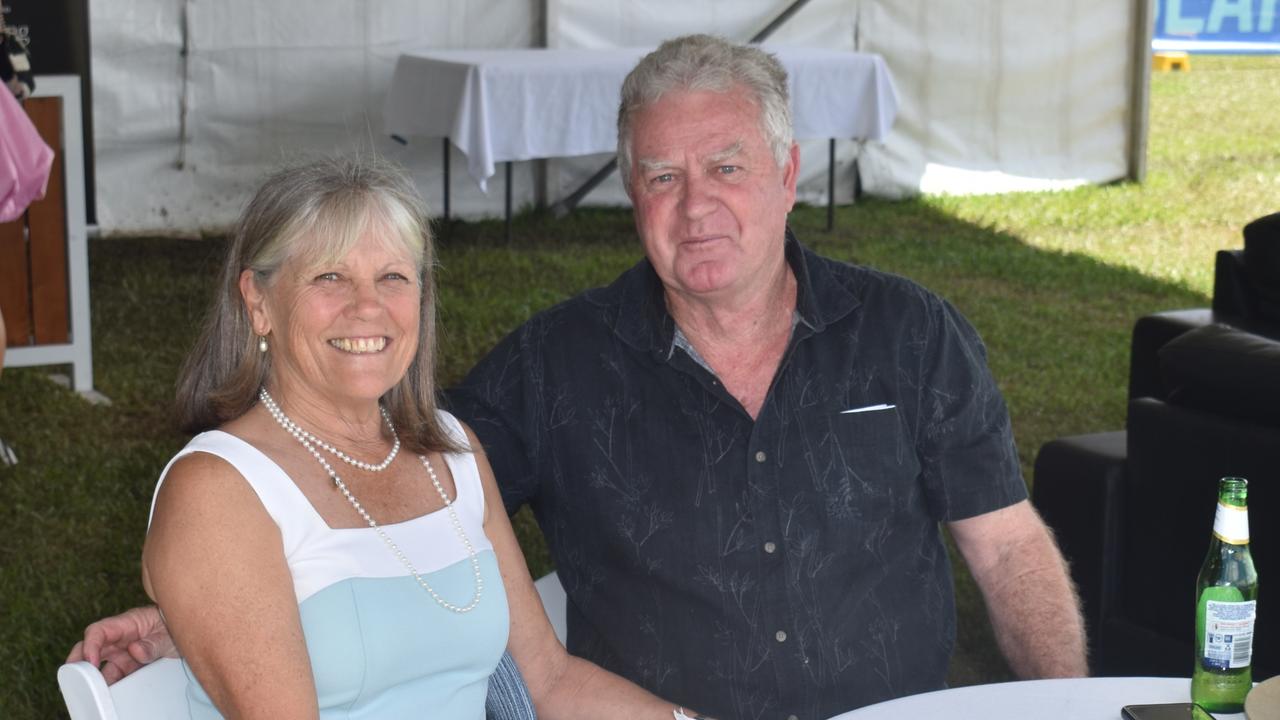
[
  {"x": 495, "y": 400},
  {"x": 1030, "y": 598},
  {"x": 123, "y": 643},
  {"x": 560, "y": 685}
]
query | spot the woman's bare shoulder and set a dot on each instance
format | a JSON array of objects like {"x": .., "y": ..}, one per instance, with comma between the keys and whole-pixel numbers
[{"x": 202, "y": 484}]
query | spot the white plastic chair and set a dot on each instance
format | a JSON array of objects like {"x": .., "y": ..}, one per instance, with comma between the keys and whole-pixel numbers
[
  {"x": 158, "y": 691},
  {"x": 155, "y": 692},
  {"x": 554, "y": 602}
]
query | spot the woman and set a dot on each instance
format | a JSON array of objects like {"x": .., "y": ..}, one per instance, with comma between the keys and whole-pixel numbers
[{"x": 331, "y": 544}]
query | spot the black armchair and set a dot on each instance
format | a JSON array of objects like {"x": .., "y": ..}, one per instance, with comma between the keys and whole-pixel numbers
[{"x": 1133, "y": 509}]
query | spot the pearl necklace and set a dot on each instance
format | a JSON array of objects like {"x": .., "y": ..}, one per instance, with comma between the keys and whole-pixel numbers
[
  {"x": 306, "y": 439},
  {"x": 304, "y": 436}
]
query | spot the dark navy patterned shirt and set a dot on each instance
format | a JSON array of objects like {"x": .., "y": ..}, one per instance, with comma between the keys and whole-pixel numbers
[{"x": 790, "y": 566}]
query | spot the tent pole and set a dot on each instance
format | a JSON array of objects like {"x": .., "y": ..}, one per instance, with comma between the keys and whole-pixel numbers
[
  {"x": 184, "y": 98},
  {"x": 444, "y": 155},
  {"x": 831, "y": 184},
  {"x": 777, "y": 22},
  {"x": 1140, "y": 89}
]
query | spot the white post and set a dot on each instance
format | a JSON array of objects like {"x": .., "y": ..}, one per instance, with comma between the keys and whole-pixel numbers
[{"x": 79, "y": 352}]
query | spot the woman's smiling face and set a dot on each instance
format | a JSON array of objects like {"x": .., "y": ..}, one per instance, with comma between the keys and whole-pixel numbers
[{"x": 343, "y": 330}]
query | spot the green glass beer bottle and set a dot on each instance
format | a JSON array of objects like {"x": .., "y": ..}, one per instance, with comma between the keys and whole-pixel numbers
[{"x": 1226, "y": 605}]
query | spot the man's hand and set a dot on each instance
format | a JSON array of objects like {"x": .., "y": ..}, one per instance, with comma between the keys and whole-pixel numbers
[{"x": 121, "y": 644}]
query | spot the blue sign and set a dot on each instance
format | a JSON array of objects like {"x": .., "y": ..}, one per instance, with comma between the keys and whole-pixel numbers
[{"x": 1217, "y": 26}]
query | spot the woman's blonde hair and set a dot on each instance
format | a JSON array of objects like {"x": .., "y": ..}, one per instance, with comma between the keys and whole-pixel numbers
[{"x": 318, "y": 210}]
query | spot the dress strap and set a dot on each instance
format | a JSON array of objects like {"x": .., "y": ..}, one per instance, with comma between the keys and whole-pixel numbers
[
  {"x": 284, "y": 502},
  {"x": 462, "y": 464}
]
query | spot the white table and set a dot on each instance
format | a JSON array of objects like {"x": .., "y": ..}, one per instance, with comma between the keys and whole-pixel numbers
[
  {"x": 1071, "y": 699},
  {"x": 523, "y": 104}
]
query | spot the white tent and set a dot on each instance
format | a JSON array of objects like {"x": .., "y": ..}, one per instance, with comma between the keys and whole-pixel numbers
[{"x": 194, "y": 100}]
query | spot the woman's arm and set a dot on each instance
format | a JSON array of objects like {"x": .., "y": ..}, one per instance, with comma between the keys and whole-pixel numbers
[
  {"x": 214, "y": 564},
  {"x": 562, "y": 685}
]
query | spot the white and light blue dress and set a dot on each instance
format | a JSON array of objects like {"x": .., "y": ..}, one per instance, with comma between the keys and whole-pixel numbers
[{"x": 380, "y": 647}]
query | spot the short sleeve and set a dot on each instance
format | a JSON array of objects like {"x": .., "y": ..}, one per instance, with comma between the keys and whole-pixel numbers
[
  {"x": 970, "y": 463},
  {"x": 494, "y": 400}
]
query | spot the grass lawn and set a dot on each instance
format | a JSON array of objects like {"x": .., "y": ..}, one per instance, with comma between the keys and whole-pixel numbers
[{"x": 1053, "y": 281}]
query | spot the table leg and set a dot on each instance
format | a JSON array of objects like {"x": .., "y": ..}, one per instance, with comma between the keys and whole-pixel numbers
[
  {"x": 508, "y": 201},
  {"x": 566, "y": 205},
  {"x": 444, "y": 155},
  {"x": 831, "y": 184}
]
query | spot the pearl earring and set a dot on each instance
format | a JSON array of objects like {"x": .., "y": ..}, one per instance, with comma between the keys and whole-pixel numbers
[{"x": 262, "y": 343}]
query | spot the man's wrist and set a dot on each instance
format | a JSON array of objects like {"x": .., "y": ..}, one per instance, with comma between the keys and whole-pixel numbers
[{"x": 681, "y": 714}]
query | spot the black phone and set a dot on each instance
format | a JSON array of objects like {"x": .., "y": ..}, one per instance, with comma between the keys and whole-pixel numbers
[{"x": 1165, "y": 711}]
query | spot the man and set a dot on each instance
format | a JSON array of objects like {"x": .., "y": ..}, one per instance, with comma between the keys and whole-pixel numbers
[{"x": 741, "y": 452}]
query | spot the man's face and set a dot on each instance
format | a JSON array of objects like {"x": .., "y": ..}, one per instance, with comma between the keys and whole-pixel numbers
[{"x": 710, "y": 201}]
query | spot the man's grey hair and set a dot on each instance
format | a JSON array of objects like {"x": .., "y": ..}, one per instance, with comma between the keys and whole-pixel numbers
[{"x": 700, "y": 63}]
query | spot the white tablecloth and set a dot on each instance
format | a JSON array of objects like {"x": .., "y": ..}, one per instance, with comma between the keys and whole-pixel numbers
[
  {"x": 1072, "y": 699},
  {"x": 500, "y": 105}
]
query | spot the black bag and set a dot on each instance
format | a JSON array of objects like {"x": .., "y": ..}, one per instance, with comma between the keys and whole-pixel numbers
[{"x": 15, "y": 61}]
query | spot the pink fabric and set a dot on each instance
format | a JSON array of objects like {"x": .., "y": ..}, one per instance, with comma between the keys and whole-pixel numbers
[{"x": 25, "y": 160}]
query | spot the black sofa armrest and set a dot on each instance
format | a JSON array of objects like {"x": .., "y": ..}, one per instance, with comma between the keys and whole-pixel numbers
[
  {"x": 1077, "y": 489},
  {"x": 1224, "y": 370},
  {"x": 1150, "y": 333},
  {"x": 1246, "y": 286},
  {"x": 1230, "y": 285}
]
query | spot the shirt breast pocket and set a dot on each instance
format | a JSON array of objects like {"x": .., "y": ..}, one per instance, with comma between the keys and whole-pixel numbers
[{"x": 862, "y": 463}]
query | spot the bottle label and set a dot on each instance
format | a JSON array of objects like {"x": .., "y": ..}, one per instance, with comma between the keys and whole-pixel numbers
[
  {"x": 1228, "y": 634},
  {"x": 1231, "y": 524}
]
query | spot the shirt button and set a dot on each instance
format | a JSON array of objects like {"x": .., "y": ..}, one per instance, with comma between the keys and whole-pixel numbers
[
  {"x": 760, "y": 456},
  {"x": 770, "y": 547},
  {"x": 781, "y": 635}
]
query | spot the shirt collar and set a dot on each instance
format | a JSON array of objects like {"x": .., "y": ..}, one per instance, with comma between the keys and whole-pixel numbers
[{"x": 638, "y": 307}]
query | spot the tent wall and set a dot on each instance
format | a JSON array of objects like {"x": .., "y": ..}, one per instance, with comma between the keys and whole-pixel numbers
[
  {"x": 1002, "y": 95},
  {"x": 194, "y": 100},
  {"x": 182, "y": 140},
  {"x": 996, "y": 95}
]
